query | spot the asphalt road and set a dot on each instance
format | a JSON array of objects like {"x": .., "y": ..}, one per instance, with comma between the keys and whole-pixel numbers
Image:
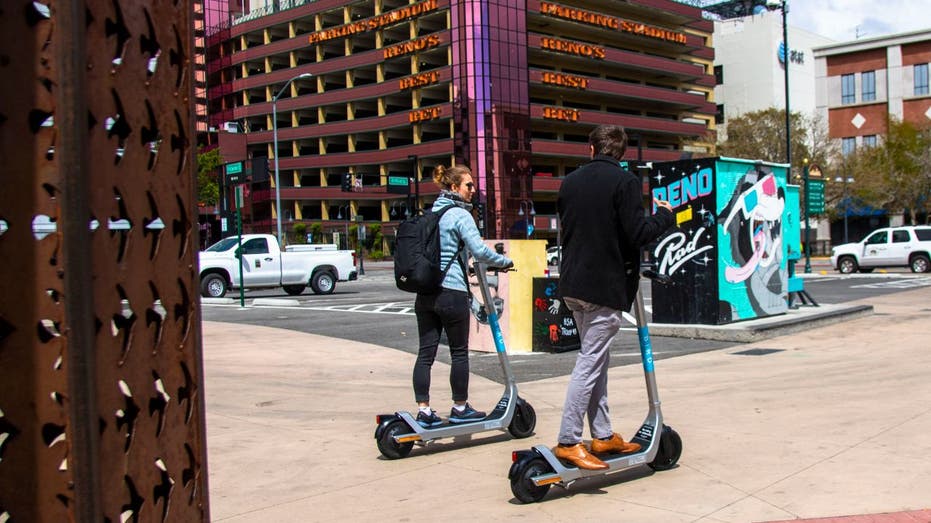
[{"x": 374, "y": 311}]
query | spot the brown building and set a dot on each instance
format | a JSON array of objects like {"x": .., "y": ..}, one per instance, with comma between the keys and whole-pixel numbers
[
  {"x": 860, "y": 84},
  {"x": 384, "y": 90}
]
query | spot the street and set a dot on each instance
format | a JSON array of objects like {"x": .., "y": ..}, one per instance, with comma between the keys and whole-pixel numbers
[{"x": 372, "y": 310}]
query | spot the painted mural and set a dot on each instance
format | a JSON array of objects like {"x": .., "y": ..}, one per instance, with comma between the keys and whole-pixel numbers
[
  {"x": 554, "y": 327},
  {"x": 727, "y": 254},
  {"x": 688, "y": 253},
  {"x": 753, "y": 275}
]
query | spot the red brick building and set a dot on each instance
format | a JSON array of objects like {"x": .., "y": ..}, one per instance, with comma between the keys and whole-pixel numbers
[{"x": 860, "y": 84}]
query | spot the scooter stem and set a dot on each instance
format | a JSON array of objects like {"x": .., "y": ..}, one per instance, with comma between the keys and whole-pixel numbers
[
  {"x": 646, "y": 349},
  {"x": 489, "y": 304}
]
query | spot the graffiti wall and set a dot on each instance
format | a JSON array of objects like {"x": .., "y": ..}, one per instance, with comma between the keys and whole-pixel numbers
[
  {"x": 753, "y": 275},
  {"x": 689, "y": 253},
  {"x": 728, "y": 254},
  {"x": 554, "y": 328}
]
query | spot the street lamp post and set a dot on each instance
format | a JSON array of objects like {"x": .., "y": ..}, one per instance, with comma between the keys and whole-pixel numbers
[
  {"x": 339, "y": 216},
  {"x": 415, "y": 179},
  {"x": 807, "y": 227},
  {"x": 527, "y": 204},
  {"x": 361, "y": 238},
  {"x": 275, "y": 139},
  {"x": 845, "y": 180},
  {"x": 783, "y": 5}
]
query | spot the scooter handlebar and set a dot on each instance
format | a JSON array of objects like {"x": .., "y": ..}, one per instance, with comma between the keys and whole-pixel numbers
[
  {"x": 492, "y": 270},
  {"x": 661, "y": 278}
]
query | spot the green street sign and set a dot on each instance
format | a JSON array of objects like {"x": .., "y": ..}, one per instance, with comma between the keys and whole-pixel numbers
[
  {"x": 233, "y": 172},
  {"x": 399, "y": 185},
  {"x": 815, "y": 196}
]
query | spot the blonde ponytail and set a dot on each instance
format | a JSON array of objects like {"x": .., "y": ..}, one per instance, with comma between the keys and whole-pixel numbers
[{"x": 446, "y": 177}]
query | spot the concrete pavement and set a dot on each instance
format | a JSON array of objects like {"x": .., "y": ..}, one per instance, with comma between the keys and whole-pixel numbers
[{"x": 833, "y": 421}]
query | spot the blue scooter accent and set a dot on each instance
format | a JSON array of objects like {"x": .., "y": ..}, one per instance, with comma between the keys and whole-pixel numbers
[
  {"x": 396, "y": 433},
  {"x": 533, "y": 471}
]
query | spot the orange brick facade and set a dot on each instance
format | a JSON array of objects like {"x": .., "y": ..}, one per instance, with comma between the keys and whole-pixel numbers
[
  {"x": 915, "y": 111},
  {"x": 840, "y": 120},
  {"x": 871, "y": 60},
  {"x": 895, "y": 85},
  {"x": 919, "y": 53}
]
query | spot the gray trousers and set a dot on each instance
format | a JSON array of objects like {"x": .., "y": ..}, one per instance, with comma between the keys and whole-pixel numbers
[{"x": 588, "y": 387}]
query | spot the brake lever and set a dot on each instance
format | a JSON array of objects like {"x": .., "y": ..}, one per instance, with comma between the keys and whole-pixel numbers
[{"x": 664, "y": 279}]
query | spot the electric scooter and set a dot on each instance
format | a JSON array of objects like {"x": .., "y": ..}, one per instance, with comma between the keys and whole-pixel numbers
[
  {"x": 396, "y": 433},
  {"x": 534, "y": 471}
]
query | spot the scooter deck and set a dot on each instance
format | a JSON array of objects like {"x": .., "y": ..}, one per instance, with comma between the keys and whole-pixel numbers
[
  {"x": 606, "y": 457},
  {"x": 565, "y": 472},
  {"x": 497, "y": 413}
]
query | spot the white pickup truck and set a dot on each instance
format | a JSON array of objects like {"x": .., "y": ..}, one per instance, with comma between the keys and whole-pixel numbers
[
  {"x": 889, "y": 247},
  {"x": 265, "y": 265}
]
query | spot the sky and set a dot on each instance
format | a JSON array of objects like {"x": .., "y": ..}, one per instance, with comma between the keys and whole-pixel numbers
[{"x": 843, "y": 20}]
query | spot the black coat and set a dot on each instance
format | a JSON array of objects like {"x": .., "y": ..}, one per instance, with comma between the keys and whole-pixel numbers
[{"x": 603, "y": 227}]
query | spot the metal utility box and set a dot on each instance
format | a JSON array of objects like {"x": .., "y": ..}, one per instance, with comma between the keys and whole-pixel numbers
[
  {"x": 728, "y": 255},
  {"x": 554, "y": 327}
]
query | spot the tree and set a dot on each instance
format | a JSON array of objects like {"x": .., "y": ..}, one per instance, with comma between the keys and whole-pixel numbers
[
  {"x": 316, "y": 232},
  {"x": 299, "y": 232},
  {"x": 760, "y": 135},
  {"x": 208, "y": 163},
  {"x": 896, "y": 174}
]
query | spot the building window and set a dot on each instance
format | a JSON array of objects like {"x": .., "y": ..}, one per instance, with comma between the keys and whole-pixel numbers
[
  {"x": 848, "y": 145},
  {"x": 719, "y": 114},
  {"x": 921, "y": 79},
  {"x": 718, "y": 74},
  {"x": 869, "y": 140},
  {"x": 868, "y": 84},
  {"x": 848, "y": 89}
]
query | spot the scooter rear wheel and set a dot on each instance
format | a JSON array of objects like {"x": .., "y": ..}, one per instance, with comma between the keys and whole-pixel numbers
[
  {"x": 390, "y": 448},
  {"x": 525, "y": 419},
  {"x": 670, "y": 448},
  {"x": 522, "y": 483}
]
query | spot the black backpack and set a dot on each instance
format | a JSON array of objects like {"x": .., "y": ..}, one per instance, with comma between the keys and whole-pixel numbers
[{"x": 417, "y": 253}]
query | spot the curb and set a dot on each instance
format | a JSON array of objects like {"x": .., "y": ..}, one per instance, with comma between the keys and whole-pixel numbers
[
  {"x": 765, "y": 328},
  {"x": 279, "y": 302},
  {"x": 217, "y": 301}
]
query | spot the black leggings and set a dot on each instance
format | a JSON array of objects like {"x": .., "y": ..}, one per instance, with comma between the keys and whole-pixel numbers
[{"x": 449, "y": 311}]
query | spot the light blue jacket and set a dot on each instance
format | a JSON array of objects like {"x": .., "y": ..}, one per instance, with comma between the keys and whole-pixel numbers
[{"x": 458, "y": 224}]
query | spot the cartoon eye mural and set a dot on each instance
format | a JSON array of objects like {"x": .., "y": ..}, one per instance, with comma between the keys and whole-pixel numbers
[{"x": 754, "y": 226}]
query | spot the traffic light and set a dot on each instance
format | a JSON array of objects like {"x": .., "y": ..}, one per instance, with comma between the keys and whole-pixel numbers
[
  {"x": 260, "y": 169},
  {"x": 347, "y": 182}
]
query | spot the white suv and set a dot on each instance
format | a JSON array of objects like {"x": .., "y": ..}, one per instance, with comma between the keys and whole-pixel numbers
[
  {"x": 552, "y": 255},
  {"x": 889, "y": 247}
]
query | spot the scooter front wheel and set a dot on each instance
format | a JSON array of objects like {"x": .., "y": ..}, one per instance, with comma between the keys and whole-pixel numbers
[
  {"x": 525, "y": 419},
  {"x": 390, "y": 448},
  {"x": 522, "y": 482},
  {"x": 670, "y": 448}
]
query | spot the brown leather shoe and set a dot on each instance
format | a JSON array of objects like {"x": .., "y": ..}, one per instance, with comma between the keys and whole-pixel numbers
[
  {"x": 579, "y": 456},
  {"x": 615, "y": 445}
]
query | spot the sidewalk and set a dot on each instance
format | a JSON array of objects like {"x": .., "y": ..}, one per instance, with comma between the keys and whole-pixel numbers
[{"x": 835, "y": 422}]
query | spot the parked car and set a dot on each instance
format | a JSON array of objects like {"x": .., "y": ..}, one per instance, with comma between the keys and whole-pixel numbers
[
  {"x": 267, "y": 266},
  {"x": 887, "y": 247},
  {"x": 552, "y": 255}
]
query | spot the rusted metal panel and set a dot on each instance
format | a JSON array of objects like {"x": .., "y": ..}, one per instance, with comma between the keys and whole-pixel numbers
[{"x": 103, "y": 309}]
